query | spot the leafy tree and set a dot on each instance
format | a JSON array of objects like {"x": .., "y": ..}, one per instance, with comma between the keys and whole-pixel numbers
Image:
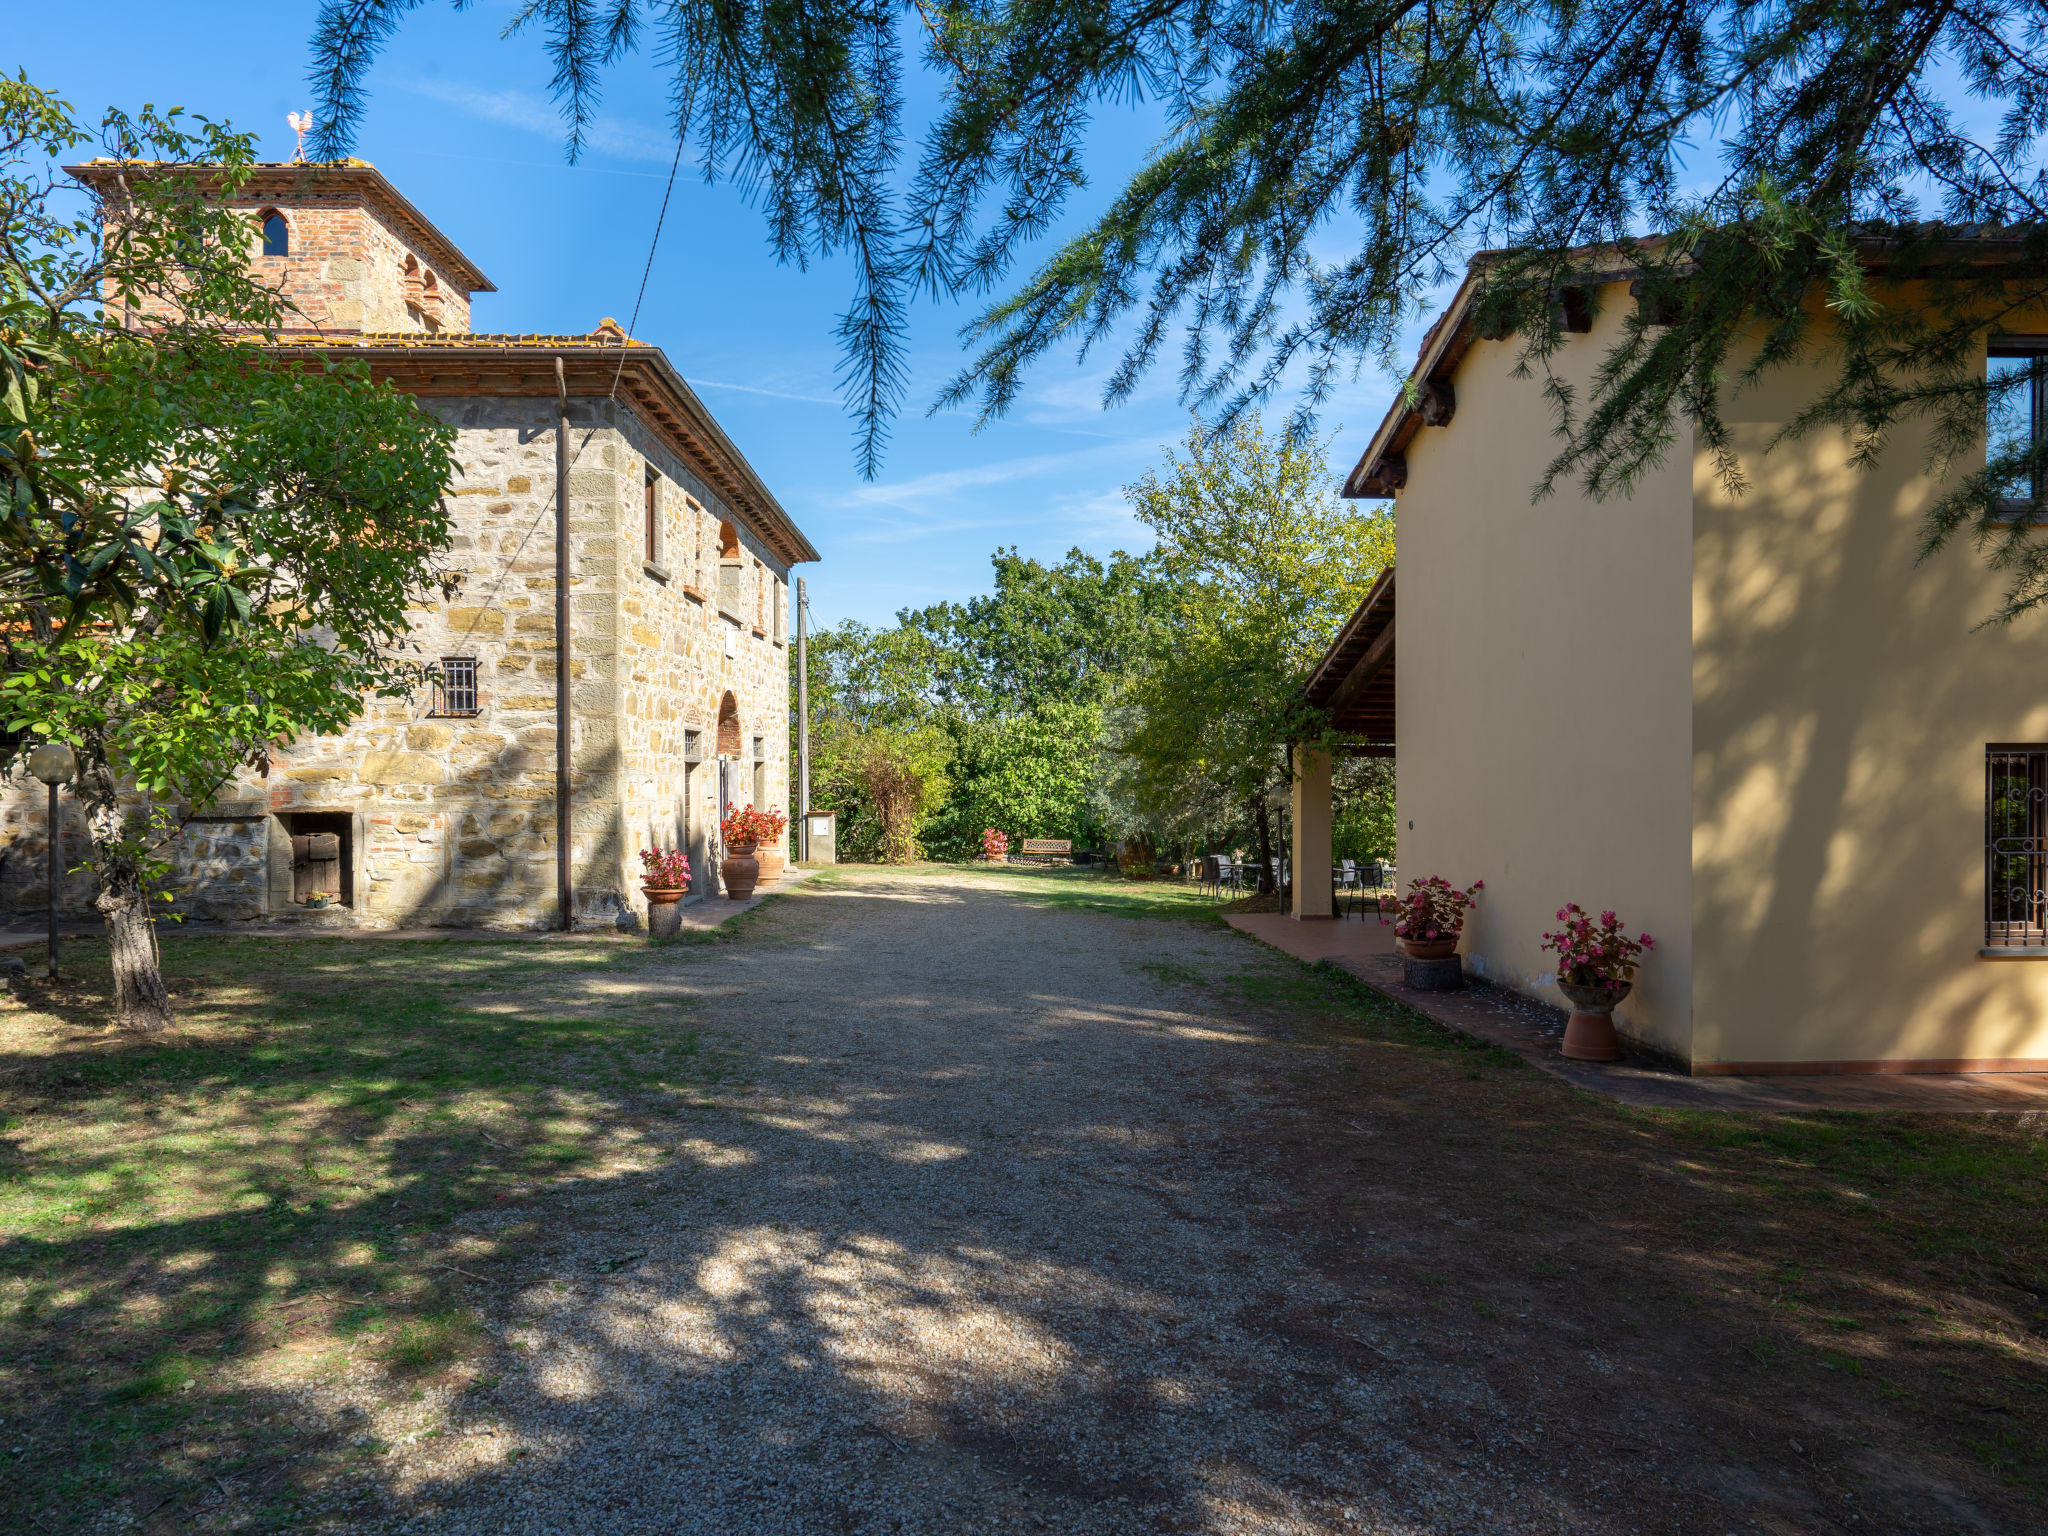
[
  {"x": 1263, "y": 564},
  {"x": 884, "y": 781},
  {"x": 206, "y": 548},
  {"x": 1412, "y": 136},
  {"x": 1047, "y": 634},
  {"x": 1362, "y": 799},
  {"x": 1029, "y": 774}
]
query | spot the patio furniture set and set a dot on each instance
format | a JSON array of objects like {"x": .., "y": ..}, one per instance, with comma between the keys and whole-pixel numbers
[{"x": 1355, "y": 885}]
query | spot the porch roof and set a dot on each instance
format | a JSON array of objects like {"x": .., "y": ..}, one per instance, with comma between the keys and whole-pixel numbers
[{"x": 1355, "y": 679}]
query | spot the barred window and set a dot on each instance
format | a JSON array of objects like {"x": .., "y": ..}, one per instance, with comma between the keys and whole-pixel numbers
[
  {"x": 2015, "y": 847},
  {"x": 458, "y": 686}
]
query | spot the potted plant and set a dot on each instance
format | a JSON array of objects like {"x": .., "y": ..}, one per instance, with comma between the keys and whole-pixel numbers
[
  {"x": 1596, "y": 968},
  {"x": 743, "y": 832},
  {"x": 1428, "y": 921},
  {"x": 995, "y": 846},
  {"x": 665, "y": 881}
]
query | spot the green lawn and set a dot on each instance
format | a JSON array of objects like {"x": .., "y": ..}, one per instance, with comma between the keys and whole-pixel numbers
[{"x": 265, "y": 1198}]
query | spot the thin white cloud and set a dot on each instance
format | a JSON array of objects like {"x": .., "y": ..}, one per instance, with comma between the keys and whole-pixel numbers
[
  {"x": 921, "y": 490},
  {"x": 532, "y": 114},
  {"x": 759, "y": 389}
]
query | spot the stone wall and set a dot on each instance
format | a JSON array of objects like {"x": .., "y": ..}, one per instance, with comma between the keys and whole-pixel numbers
[
  {"x": 451, "y": 820},
  {"x": 680, "y": 654},
  {"x": 352, "y": 269}
]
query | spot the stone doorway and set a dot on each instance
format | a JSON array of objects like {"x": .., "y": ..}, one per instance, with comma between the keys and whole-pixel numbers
[{"x": 322, "y": 857}]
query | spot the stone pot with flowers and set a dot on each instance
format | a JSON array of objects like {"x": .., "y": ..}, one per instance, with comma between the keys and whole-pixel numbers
[
  {"x": 995, "y": 846},
  {"x": 665, "y": 881},
  {"x": 744, "y": 831},
  {"x": 1596, "y": 969},
  {"x": 1428, "y": 921}
]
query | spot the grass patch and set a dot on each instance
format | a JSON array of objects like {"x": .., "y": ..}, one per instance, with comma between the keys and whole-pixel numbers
[
  {"x": 199, "y": 1226},
  {"x": 432, "y": 1340},
  {"x": 1109, "y": 894}
]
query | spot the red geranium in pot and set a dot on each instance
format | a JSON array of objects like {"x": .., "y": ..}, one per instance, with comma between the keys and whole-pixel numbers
[
  {"x": 1429, "y": 919},
  {"x": 665, "y": 880},
  {"x": 743, "y": 832}
]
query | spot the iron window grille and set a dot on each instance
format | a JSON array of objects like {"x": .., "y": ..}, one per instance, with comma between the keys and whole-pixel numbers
[
  {"x": 2016, "y": 847},
  {"x": 457, "y": 686}
]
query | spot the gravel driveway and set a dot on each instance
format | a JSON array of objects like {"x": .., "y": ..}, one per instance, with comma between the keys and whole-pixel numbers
[{"x": 1040, "y": 1219}]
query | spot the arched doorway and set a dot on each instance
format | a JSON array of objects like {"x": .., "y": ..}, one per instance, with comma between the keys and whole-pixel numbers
[{"x": 729, "y": 727}]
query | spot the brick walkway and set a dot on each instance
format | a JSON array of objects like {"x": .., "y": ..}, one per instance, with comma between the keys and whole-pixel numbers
[{"x": 1532, "y": 1031}]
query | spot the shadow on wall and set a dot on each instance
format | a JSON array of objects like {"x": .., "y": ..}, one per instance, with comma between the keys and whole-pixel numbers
[
  {"x": 24, "y": 856},
  {"x": 1843, "y": 705}
]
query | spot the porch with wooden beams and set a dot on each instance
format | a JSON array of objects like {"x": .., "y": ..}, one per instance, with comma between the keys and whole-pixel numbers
[{"x": 1355, "y": 682}]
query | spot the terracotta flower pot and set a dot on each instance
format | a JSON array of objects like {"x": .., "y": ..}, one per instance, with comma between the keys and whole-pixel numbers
[
  {"x": 1589, "y": 1033},
  {"x": 1429, "y": 949},
  {"x": 664, "y": 909},
  {"x": 741, "y": 870},
  {"x": 772, "y": 862}
]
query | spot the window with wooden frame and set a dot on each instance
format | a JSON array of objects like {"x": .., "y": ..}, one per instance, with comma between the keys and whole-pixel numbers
[
  {"x": 2016, "y": 846},
  {"x": 652, "y": 494},
  {"x": 2016, "y": 368},
  {"x": 277, "y": 235},
  {"x": 455, "y": 689}
]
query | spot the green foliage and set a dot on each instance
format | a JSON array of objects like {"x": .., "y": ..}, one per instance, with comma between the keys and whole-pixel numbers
[
  {"x": 1263, "y": 564},
  {"x": 205, "y": 548},
  {"x": 1144, "y": 699},
  {"x": 993, "y": 707},
  {"x": 1047, "y": 634},
  {"x": 1327, "y": 168},
  {"x": 1029, "y": 775},
  {"x": 884, "y": 780},
  {"x": 1362, "y": 792}
]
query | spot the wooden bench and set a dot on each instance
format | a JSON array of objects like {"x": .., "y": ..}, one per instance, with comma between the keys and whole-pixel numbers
[{"x": 1047, "y": 850}]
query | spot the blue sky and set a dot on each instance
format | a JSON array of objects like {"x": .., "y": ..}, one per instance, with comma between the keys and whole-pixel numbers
[{"x": 461, "y": 122}]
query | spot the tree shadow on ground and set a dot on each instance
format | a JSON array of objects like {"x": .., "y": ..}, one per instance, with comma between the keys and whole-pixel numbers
[{"x": 844, "y": 1228}]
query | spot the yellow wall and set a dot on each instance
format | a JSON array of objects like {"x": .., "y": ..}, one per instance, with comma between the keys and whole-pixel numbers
[
  {"x": 1843, "y": 697},
  {"x": 1545, "y": 731}
]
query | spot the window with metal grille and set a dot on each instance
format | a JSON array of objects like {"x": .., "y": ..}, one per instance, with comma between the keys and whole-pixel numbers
[
  {"x": 458, "y": 686},
  {"x": 2016, "y": 847}
]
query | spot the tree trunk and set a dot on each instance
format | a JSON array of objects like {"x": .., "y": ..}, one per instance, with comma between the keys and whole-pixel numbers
[
  {"x": 1263, "y": 819},
  {"x": 141, "y": 1002}
]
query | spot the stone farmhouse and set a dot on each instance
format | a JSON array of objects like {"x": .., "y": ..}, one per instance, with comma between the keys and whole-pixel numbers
[{"x": 445, "y": 809}]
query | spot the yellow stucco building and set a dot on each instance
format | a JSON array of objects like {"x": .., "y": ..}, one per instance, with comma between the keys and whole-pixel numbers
[{"x": 1752, "y": 724}]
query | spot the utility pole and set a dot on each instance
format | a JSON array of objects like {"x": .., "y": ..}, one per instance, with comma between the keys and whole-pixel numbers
[
  {"x": 563, "y": 894},
  {"x": 803, "y": 723}
]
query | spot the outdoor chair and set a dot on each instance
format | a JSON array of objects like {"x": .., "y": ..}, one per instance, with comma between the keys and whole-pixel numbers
[{"x": 1349, "y": 890}]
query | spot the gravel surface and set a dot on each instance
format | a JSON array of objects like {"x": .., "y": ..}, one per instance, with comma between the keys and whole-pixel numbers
[{"x": 1035, "y": 1219}]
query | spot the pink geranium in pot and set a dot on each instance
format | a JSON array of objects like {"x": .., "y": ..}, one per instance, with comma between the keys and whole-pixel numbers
[
  {"x": 1427, "y": 921},
  {"x": 1596, "y": 969}
]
